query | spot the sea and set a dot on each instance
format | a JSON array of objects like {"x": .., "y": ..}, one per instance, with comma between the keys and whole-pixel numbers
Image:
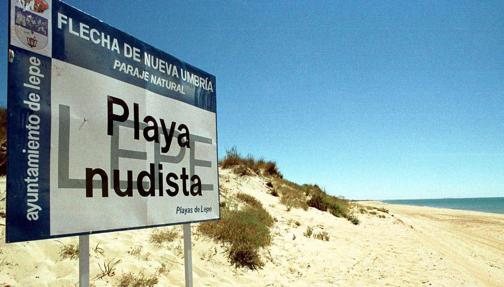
[{"x": 483, "y": 204}]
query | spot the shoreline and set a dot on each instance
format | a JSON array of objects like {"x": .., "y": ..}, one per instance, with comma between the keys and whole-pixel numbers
[
  {"x": 471, "y": 242},
  {"x": 475, "y": 212}
]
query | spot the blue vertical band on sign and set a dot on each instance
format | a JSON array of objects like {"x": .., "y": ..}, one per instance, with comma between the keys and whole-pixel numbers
[
  {"x": 29, "y": 138},
  {"x": 87, "y": 42}
]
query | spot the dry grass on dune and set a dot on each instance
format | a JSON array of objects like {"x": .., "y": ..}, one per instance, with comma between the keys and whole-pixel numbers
[
  {"x": 249, "y": 165},
  {"x": 244, "y": 230},
  {"x": 338, "y": 207},
  {"x": 292, "y": 195}
]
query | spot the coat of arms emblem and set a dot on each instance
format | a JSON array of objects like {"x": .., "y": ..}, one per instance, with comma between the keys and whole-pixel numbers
[{"x": 32, "y": 23}]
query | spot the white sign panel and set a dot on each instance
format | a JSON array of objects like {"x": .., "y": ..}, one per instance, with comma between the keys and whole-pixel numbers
[{"x": 105, "y": 132}]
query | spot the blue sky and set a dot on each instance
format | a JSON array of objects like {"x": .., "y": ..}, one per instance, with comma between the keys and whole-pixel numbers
[{"x": 369, "y": 99}]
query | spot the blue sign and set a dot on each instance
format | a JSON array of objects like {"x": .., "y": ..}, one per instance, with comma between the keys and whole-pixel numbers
[{"x": 105, "y": 132}]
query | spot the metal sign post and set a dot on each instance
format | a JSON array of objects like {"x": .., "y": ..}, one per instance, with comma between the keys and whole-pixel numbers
[
  {"x": 188, "y": 255},
  {"x": 84, "y": 261}
]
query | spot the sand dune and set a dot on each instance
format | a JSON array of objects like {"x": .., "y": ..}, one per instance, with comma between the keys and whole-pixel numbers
[{"x": 408, "y": 246}]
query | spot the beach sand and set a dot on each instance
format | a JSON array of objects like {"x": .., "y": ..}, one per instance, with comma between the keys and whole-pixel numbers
[{"x": 408, "y": 246}]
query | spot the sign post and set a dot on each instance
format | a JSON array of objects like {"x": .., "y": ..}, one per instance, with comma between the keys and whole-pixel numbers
[
  {"x": 84, "y": 261},
  {"x": 188, "y": 255},
  {"x": 103, "y": 126}
]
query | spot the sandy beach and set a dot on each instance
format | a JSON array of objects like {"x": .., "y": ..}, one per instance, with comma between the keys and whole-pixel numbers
[{"x": 402, "y": 246}]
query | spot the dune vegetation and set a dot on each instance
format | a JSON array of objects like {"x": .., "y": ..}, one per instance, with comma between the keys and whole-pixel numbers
[
  {"x": 245, "y": 224},
  {"x": 292, "y": 195},
  {"x": 245, "y": 229}
]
